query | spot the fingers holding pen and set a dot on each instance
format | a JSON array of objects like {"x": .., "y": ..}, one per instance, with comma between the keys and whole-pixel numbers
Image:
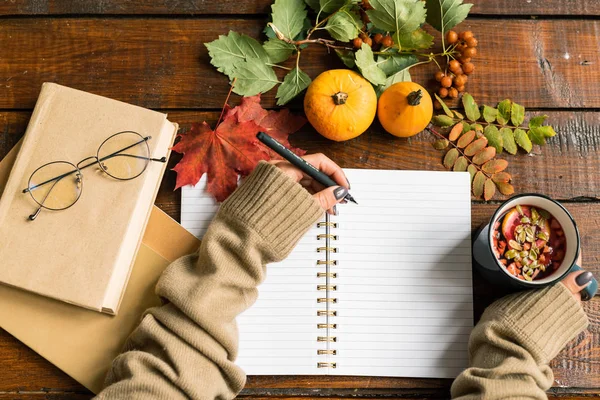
[{"x": 326, "y": 165}]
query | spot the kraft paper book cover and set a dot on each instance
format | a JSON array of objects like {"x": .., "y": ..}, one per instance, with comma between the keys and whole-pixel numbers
[{"x": 82, "y": 255}]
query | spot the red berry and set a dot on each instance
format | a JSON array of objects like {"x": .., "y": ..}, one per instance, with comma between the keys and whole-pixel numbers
[
  {"x": 377, "y": 38},
  {"x": 469, "y": 52},
  {"x": 446, "y": 82},
  {"x": 451, "y": 37},
  {"x": 357, "y": 42},
  {"x": 443, "y": 92},
  {"x": 453, "y": 65},
  {"x": 468, "y": 68},
  {"x": 437, "y": 105},
  {"x": 368, "y": 41},
  {"x": 465, "y": 35},
  {"x": 387, "y": 41},
  {"x": 452, "y": 93},
  {"x": 439, "y": 75},
  {"x": 471, "y": 42}
]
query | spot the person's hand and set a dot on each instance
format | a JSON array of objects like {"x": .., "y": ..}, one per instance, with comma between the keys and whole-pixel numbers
[
  {"x": 577, "y": 281},
  {"x": 326, "y": 197}
]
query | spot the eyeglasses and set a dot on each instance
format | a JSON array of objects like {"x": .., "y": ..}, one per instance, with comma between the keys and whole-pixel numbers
[{"x": 58, "y": 185}]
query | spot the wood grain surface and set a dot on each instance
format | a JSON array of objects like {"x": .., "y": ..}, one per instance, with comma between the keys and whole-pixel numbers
[
  {"x": 151, "y": 53},
  {"x": 208, "y": 7},
  {"x": 163, "y": 63}
]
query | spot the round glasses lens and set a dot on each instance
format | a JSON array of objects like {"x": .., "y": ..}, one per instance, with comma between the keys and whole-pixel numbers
[
  {"x": 124, "y": 155},
  {"x": 56, "y": 186}
]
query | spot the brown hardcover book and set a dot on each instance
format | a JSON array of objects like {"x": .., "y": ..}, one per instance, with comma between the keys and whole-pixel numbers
[{"x": 82, "y": 255}]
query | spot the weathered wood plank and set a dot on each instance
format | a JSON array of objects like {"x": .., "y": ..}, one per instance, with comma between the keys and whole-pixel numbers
[
  {"x": 162, "y": 63},
  {"x": 565, "y": 169},
  {"x": 206, "y": 7}
]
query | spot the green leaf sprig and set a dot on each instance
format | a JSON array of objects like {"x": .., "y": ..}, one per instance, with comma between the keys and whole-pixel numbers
[
  {"x": 252, "y": 63},
  {"x": 502, "y": 125}
]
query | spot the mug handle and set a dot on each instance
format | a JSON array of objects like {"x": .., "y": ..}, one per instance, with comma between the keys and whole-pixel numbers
[{"x": 590, "y": 290}]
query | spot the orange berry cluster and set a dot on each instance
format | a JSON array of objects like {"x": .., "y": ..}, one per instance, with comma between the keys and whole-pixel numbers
[
  {"x": 377, "y": 40},
  {"x": 453, "y": 80}
]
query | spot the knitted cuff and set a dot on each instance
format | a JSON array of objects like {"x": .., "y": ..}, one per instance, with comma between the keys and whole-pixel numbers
[
  {"x": 548, "y": 318},
  {"x": 275, "y": 206}
]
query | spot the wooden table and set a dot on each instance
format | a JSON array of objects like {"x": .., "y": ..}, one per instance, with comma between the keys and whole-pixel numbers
[{"x": 544, "y": 54}]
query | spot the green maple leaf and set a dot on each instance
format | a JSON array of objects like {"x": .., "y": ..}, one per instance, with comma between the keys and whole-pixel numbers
[
  {"x": 278, "y": 50},
  {"x": 444, "y": 15},
  {"x": 253, "y": 76},
  {"x": 417, "y": 39},
  {"x": 396, "y": 63},
  {"x": 344, "y": 25},
  {"x": 294, "y": 83},
  {"x": 368, "y": 67},
  {"x": 288, "y": 16},
  {"x": 397, "y": 15},
  {"x": 227, "y": 51}
]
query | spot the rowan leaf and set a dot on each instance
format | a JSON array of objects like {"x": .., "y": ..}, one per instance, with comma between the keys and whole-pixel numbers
[
  {"x": 442, "y": 120},
  {"x": 469, "y": 105},
  {"x": 472, "y": 171},
  {"x": 494, "y": 137},
  {"x": 344, "y": 25},
  {"x": 415, "y": 40},
  {"x": 450, "y": 158},
  {"x": 466, "y": 139},
  {"x": 461, "y": 164},
  {"x": 504, "y": 109},
  {"x": 458, "y": 115},
  {"x": 494, "y": 166},
  {"x": 489, "y": 189},
  {"x": 278, "y": 50},
  {"x": 253, "y": 76},
  {"x": 466, "y": 127},
  {"x": 396, "y": 63},
  {"x": 397, "y": 15},
  {"x": 228, "y": 51},
  {"x": 505, "y": 188},
  {"x": 444, "y": 106},
  {"x": 478, "y": 127},
  {"x": 347, "y": 57},
  {"x": 329, "y": 6},
  {"x": 484, "y": 155},
  {"x": 293, "y": 84},
  {"x": 522, "y": 139},
  {"x": 232, "y": 148},
  {"x": 508, "y": 140},
  {"x": 489, "y": 114},
  {"x": 538, "y": 134},
  {"x": 476, "y": 146},
  {"x": 288, "y": 16},
  {"x": 537, "y": 120},
  {"x": 444, "y": 15},
  {"x": 455, "y": 132},
  {"x": 517, "y": 114},
  {"x": 501, "y": 177},
  {"x": 368, "y": 67},
  {"x": 478, "y": 182},
  {"x": 440, "y": 144}
]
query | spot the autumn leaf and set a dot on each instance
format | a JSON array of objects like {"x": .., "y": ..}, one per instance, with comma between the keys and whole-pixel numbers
[
  {"x": 455, "y": 132},
  {"x": 505, "y": 188},
  {"x": 466, "y": 139},
  {"x": 450, "y": 158},
  {"x": 484, "y": 155},
  {"x": 489, "y": 189},
  {"x": 501, "y": 177},
  {"x": 494, "y": 166},
  {"x": 232, "y": 148},
  {"x": 478, "y": 182},
  {"x": 476, "y": 146}
]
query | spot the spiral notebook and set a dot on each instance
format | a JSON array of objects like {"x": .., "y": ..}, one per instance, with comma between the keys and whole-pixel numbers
[{"x": 383, "y": 289}]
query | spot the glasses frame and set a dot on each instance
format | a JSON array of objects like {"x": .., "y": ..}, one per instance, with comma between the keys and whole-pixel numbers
[{"x": 77, "y": 170}]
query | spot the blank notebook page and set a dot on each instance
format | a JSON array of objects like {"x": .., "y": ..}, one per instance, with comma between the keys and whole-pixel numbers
[{"x": 403, "y": 290}]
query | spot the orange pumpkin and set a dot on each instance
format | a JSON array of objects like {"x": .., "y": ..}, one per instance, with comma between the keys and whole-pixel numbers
[
  {"x": 405, "y": 109},
  {"x": 340, "y": 104}
]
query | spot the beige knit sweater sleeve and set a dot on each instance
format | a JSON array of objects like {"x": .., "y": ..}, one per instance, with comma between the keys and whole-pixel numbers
[{"x": 187, "y": 348}]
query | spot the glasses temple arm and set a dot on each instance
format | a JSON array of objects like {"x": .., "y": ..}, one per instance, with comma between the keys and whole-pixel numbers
[{"x": 33, "y": 216}]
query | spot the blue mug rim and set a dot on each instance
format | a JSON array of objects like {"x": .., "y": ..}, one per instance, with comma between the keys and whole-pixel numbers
[{"x": 526, "y": 283}]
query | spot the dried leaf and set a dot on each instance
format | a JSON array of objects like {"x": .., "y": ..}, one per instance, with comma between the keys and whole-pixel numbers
[
  {"x": 501, "y": 177},
  {"x": 484, "y": 155},
  {"x": 441, "y": 144},
  {"x": 476, "y": 146},
  {"x": 472, "y": 170},
  {"x": 478, "y": 183},
  {"x": 489, "y": 114},
  {"x": 444, "y": 106},
  {"x": 442, "y": 120},
  {"x": 466, "y": 139},
  {"x": 508, "y": 140},
  {"x": 504, "y": 108},
  {"x": 494, "y": 137},
  {"x": 232, "y": 148},
  {"x": 505, "y": 188},
  {"x": 493, "y": 166},
  {"x": 489, "y": 189},
  {"x": 522, "y": 139},
  {"x": 517, "y": 114},
  {"x": 470, "y": 107},
  {"x": 455, "y": 132},
  {"x": 450, "y": 158},
  {"x": 461, "y": 164}
]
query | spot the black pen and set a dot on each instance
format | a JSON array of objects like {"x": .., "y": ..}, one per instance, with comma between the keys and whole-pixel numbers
[{"x": 299, "y": 162}]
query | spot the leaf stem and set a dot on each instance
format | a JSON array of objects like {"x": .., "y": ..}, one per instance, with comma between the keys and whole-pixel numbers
[
  {"x": 278, "y": 66},
  {"x": 225, "y": 105},
  {"x": 485, "y": 123}
]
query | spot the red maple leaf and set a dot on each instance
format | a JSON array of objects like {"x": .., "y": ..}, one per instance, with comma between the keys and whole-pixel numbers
[{"x": 232, "y": 148}]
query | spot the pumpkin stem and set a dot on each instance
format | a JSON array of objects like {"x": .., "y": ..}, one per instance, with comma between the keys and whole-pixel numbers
[
  {"x": 340, "y": 98},
  {"x": 414, "y": 98}
]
